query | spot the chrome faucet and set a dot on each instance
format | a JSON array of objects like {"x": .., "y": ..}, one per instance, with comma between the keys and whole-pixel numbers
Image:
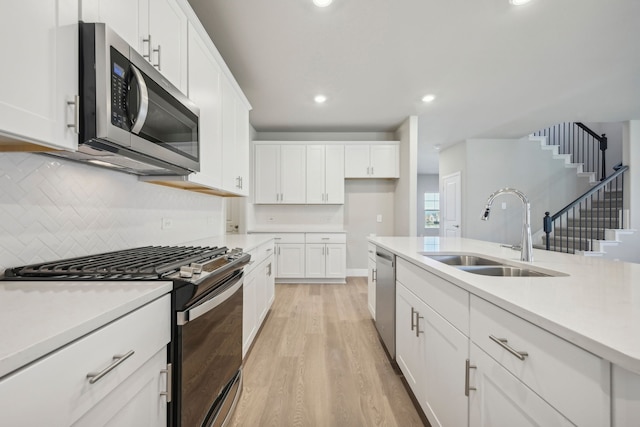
[{"x": 526, "y": 244}]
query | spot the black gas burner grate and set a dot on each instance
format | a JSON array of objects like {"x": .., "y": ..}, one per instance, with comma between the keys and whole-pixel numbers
[{"x": 145, "y": 263}]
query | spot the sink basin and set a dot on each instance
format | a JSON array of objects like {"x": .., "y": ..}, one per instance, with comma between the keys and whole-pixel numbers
[
  {"x": 463, "y": 260},
  {"x": 502, "y": 271}
]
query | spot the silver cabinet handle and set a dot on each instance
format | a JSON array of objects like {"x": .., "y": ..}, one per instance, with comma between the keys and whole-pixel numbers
[
  {"x": 94, "y": 377},
  {"x": 76, "y": 117},
  {"x": 169, "y": 372},
  {"x": 418, "y": 331},
  {"x": 147, "y": 56},
  {"x": 502, "y": 342},
  {"x": 413, "y": 313},
  {"x": 375, "y": 274},
  {"x": 467, "y": 366},
  {"x": 157, "y": 65},
  {"x": 372, "y": 170}
]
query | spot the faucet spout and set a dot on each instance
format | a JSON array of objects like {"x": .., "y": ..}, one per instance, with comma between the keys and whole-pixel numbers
[{"x": 527, "y": 243}]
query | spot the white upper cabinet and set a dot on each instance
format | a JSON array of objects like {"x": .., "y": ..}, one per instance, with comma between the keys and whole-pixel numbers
[
  {"x": 280, "y": 174},
  {"x": 325, "y": 174},
  {"x": 39, "y": 44},
  {"x": 372, "y": 160},
  {"x": 235, "y": 142},
  {"x": 204, "y": 90},
  {"x": 157, "y": 29}
]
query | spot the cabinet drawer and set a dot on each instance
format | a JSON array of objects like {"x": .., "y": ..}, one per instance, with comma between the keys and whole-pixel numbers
[
  {"x": 326, "y": 238},
  {"x": 447, "y": 299},
  {"x": 57, "y": 385},
  {"x": 371, "y": 251},
  {"x": 258, "y": 255},
  {"x": 572, "y": 380},
  {"x": 289, "y": 238}
]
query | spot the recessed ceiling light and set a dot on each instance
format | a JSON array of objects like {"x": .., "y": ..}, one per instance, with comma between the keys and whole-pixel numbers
[
  {"x": 320, "y": 99},
  {"x": 518, "y": 2},
  {"x": 428, "y": 98},
  {"x": 322, "y": 3}
]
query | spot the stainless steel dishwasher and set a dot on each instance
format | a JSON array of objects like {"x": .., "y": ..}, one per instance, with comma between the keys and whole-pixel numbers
[{"x": 386, "y": 300}]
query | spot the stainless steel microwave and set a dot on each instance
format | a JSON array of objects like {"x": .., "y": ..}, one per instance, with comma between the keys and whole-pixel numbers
[{"x": 131, "y": 117}]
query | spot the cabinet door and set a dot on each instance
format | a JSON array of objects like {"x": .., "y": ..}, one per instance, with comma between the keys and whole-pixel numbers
[
  {"x": 315, "y": 260},
  {"x": 136, "y": 402},
  {"x": 446, "y": 350},
  {"x": 293, "y": 173},
  {"x": 39, "y": 44},
  {"x": 204, "y": 90},
  {"x": 335, "y": 260},
  {"x": 501, "y": 400},
  {"x": 168, "y": 29},
  {"x": 249, "y": 311},
  {"x": 384, "y": 161},
  {"x": 371, "y": 288},
  {"x": 230, "y": 179},
  {"x": 261, "y": 294},
  {"x": 409, "y": 347},
  {"x": 270, "y": 281},
  {"x": 128, "y": 18},
  {"x": 334, "y": 174},
  {"x": 242, "y": 147},
  {"x": 291, "y": 260},
  {"x": 315, "y": 174},
  {"x": 267, "y": 173},
  {"x": 356, "y": 161}
]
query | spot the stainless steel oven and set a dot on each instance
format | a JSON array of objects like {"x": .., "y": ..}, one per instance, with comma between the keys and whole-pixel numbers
[
  {"x": 208, "y": 352},
  {"x": 205, "y": 352}
]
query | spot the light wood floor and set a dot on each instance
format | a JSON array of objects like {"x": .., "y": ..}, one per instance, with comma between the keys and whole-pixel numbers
[{"x": 318, "y": 362}]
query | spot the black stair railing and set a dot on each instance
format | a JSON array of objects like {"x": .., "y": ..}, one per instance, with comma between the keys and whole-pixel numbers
[
  {"x": 583, "y": 144},
  {"x": 575, "y": 226}
]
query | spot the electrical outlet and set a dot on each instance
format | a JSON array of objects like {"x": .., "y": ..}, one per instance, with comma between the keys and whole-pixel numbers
[
  {"x": 504, "y": 205},
  {"x": 379, "y": 218},
  {"x": 271, "y": 219},
  {"x": 167, "y": 223}
]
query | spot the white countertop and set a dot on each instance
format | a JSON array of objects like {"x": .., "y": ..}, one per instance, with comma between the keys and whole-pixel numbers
[
  {"x": 37, "y": 318},
  {"x": 298, "y": 229},
  {"x": 596, "y": 307},
  {"x": 246, "y": 242}
]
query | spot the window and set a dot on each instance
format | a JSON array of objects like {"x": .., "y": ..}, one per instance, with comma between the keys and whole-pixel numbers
[{"x": 431, "y": 210}]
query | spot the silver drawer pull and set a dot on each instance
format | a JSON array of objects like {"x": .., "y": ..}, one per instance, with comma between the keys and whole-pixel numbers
[
  {"x": 94, "y": 377},
  {"x": 467, "y": 367},
  {"x": 502, "y": 342}
]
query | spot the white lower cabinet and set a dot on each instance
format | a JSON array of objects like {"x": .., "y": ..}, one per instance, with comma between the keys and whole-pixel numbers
[
  {"x": 432, "y": 354},
  {"x": 573, "y": 381},
  {"x": 326, "y": 256},
  {"x": 291, "y": 258},
  {"x": 371, "y": 280},
  {"x": 470, "y": 362},
  {"x": 501, "y": 400},
  {"x": 57, "y": 391},
  {"x": 625, "y": 410},
  {"x": 258, "y": 293}
]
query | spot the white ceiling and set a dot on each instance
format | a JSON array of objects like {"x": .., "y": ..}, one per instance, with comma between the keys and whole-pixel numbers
[{"x": 497, "y": 70}]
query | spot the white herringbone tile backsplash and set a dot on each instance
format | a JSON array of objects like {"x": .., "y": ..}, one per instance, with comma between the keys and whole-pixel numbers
[{"x": 52, "y": 208}]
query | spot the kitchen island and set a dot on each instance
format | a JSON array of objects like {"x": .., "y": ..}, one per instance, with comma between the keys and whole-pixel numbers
[{"x": 592, "y": 303}]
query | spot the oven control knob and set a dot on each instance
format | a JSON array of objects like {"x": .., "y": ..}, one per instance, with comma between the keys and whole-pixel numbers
[
  {"x": 197, "y": 268},
  {"x": 186, "y": 271}
]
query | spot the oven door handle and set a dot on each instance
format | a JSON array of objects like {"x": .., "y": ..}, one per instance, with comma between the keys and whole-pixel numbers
[{"x": 184, "y": 317}]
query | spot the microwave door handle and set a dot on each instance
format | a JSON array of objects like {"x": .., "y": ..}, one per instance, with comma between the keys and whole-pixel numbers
[{"x": 143, "y": 96}]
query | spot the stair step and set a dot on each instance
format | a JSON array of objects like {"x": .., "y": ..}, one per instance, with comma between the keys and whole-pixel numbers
[
  {"x": 590, "y": 222},
  {"x": 607, "y": 203},
  {"x": 568, "y": 242},
  {"x": 556, "y": 249},
  {"x": 579, "y": 232}
]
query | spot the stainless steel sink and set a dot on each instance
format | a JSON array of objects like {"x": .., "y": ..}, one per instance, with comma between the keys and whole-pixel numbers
[
  {"x": 502, "y": 271},
  {"x": 464, "y": 260}
]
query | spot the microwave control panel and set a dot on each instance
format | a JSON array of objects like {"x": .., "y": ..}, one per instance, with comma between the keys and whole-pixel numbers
[{"x": 119, "y": 90}]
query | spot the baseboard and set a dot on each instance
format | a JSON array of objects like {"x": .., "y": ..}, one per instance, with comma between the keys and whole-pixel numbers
[{"x": 357, "y": 272}]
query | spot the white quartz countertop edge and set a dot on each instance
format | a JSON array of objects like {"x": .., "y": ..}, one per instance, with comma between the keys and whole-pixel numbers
[
  {"x": 38, "y": 318},
  {"x": 596, "y": 307},
  {"x": 297, "y": 230}
]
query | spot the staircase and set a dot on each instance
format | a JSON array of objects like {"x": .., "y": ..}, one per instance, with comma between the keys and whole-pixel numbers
[{"x": 595, "y": 219}]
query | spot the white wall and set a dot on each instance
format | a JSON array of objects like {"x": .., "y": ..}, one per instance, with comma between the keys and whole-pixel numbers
[
  {"x": 405, "y": 201},
  {"x": 488, "y": 165},
  {"x": 425, "y": 184},
  {"x": 52, "y": 208},
  {"x": 365, "y": 199},
  {"x": 631, "y": 157}
]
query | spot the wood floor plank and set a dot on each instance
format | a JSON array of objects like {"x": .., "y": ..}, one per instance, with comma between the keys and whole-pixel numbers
[{"x": 318, "y": 362}]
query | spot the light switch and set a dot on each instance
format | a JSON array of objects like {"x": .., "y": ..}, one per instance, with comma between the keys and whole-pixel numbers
[{"x": 379, "y": 218}]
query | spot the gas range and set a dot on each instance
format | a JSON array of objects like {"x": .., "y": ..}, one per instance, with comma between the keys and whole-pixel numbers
[{"x": 193, "y": 270}]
